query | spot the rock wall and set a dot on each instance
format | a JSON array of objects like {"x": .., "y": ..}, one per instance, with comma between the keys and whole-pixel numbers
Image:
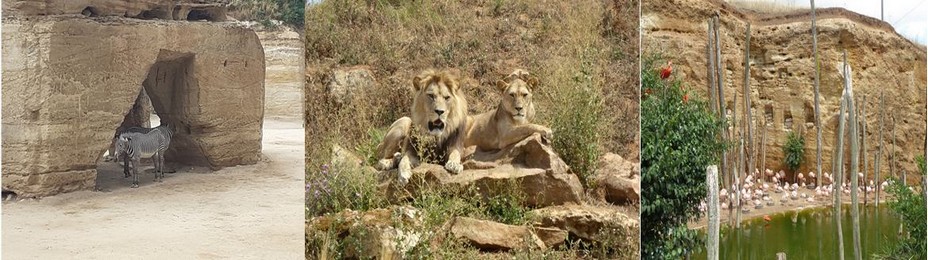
[
  {"x": 68, "y": 82},
  {"x": 782, "y": 73},
  {"x": 283, "y": 52}
]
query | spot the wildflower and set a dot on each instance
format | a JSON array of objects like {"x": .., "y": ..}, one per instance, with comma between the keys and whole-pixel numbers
[
  {"x": 685, "y": 98},
  {"x": 666, "y": 71}
]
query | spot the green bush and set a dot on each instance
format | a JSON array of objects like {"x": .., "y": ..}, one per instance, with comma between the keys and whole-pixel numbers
[
  {"x": 793, "y": 151},
  {"x": 910, "y": 206},
  {"x": 290, "y": 12},
  {"x": 576, "y": 125},
  {"x": 680, "y": 138}
]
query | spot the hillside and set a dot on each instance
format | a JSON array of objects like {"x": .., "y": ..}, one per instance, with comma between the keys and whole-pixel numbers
[{"x": 782, "y": 76}]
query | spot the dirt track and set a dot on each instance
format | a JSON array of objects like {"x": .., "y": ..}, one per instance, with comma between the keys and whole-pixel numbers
[{"x": 245, "y": 212}]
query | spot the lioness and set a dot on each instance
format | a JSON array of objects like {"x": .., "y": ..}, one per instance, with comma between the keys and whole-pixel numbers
[
  {"x": 435, "y": 131},
  {"x": 509, "y": 122}
]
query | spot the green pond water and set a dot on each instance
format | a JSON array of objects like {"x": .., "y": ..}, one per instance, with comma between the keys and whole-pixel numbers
[{"x": 807, "y": 234}]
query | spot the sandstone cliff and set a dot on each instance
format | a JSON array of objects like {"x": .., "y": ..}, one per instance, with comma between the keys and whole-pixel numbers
[
  {"x": 69, "y": 80},
  {"x": 782, "y": 73}
]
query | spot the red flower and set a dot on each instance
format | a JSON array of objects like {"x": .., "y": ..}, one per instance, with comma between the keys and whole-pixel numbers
[
  {"x": 665, "y": 71},
  {"x": 647, "y": 91},
  {"x": 685, "y": 98}
]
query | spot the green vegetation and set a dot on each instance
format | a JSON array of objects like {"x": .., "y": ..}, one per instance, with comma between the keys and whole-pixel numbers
[
  {"x": 290, "y": 12},
  {"x": 577, "y": 126},
  {"x": 910, "y": 206},
  {"x": 793, "y": 150},
  {"x": 679, "y": 140}
]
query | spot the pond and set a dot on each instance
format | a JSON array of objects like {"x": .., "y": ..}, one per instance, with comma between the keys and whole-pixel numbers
[{"x": 807, "y": 234}]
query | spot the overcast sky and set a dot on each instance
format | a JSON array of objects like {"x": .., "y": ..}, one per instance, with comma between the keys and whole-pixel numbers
[{"x": 909, "y": 17}]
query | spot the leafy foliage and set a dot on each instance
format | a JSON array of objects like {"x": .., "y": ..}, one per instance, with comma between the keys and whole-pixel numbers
[
  {"x": 290, "y": 12},
  {"x": 793, "y": 150},
  {"x": 577, "y": 126},
  {"x": 679, "y": 140},
  {"x": 910, "y": 206}
]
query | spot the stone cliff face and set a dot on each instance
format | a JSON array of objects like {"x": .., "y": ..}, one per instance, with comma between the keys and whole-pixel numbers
[
  {"x": 283, "y": 52},
  {"x": 69, "y": 81},
  {"x": 782, "y": 73}
]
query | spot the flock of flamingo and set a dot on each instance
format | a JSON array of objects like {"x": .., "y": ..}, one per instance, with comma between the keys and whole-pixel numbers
[{"x": 760, "y": 192}]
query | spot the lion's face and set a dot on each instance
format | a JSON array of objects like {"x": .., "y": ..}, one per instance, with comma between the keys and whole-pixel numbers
[
  {"x": 516, "y": 91},
  {"x": 438, "y": 105}
]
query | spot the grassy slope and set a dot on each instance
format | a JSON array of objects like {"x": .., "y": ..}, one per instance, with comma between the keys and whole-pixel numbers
[
  {"x": 483, "y": 40},
  {"x": 576, "y": 49}
]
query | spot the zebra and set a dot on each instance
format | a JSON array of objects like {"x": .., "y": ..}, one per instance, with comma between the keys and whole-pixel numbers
[
  {"x": 134, "y": 129},
  {"x": 137, "y": 145}
]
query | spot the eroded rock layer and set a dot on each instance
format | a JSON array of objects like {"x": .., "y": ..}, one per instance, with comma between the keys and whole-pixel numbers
[
  {"x": 69, "y": 81},
  {"x": 782, "y": 73}
]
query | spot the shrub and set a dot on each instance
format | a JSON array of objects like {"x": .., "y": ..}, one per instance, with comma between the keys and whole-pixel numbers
[
  {"x": 290, "y": 12},
  {"x": 339, "y": 187},
  {"x": 910, "y": 206},
  {"x": 680, "y": 138},
  {"x": 576, "y": 124},
  {"x": 793, "y": 151}
]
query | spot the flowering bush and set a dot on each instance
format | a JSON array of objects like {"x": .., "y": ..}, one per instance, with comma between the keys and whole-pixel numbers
[{"x": 679, "y": 138}]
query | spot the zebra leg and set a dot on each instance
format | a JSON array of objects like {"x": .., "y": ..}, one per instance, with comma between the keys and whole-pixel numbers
[
  {"x": 159, "y": 170},
  {"x": 125, "y": 165},
  {"x": 161, "y": 164},
  {"x": 135, "y": 172}
]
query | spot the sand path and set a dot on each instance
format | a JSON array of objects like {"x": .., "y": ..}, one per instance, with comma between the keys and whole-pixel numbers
[{"x": 244, "y": 212}]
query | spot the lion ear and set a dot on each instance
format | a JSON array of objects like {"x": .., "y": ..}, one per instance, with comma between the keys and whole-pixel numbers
[
  {"x": 532, "y": 83},
  {"x": 417, "y": 83},
  {"x": 501, "y": 85}
]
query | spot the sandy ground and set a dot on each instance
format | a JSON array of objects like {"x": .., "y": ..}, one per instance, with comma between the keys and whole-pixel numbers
[
  {"x": 790, "y": 205},
  {"x": 245, "y": 212}
]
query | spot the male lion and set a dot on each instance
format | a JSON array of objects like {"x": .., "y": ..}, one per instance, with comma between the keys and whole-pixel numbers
[
  {"x": 509, "y": 122},
  {"x": 435, "y": 131}
]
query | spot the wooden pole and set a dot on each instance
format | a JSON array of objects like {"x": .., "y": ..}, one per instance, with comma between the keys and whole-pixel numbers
[
  {"x": 879, "y": 157},
  {"x": 839, "y": 164},
  {"x": 863, "y": 137},
  {"x": 748, "y": 122},
  {"x": 818, "y": 118},
  {"x": 712, "y": 182},
  {"x": 855, "y": 156}
]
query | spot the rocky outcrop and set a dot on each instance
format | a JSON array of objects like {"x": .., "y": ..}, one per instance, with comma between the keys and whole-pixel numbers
[
  {"x": 347, "y": 82},
  {"x": 489, "y": 235},
  {"x": 283, "y": 81},
  {"x": 193, "y": 10},
  {"x": 68, "y": 83},
  {"x": 530, "y": 166},
  {"x": 782, "y": 76},
  {"x": 617, "y": 180},
  {"x": 590, "y": 223},
  {"x": 380, "y": 233}
]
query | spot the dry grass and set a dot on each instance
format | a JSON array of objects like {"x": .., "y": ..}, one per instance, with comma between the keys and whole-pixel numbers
[
  {"x": 482, "y": 40},
  {"x": 769, "y": 6}
]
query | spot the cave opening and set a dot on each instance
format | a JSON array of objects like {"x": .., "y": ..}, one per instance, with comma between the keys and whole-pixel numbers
[{"x": 168, "y": 96}]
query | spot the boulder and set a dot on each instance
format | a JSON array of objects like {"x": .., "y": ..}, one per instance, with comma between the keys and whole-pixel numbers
[
  {"x": 530, "y": 166},
  {"x": 380, "y": 233},
  {"x": 617, "y": 180},
  {"x": 68, "y": 83},
  {"x": 347, "y": 82},
  {"x": 590, "y": 223},
  {"x": 489, "y": 235}
]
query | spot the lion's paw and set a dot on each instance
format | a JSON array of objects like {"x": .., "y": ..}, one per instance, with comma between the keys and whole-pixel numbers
[
  {"x": 404, "y": 173},
  {"x": 547, "y": 135},
  {"x": 454, "y": 167}
]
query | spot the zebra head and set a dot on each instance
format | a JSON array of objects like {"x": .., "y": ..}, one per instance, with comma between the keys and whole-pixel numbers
[{"x": 122, "y": 145}]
